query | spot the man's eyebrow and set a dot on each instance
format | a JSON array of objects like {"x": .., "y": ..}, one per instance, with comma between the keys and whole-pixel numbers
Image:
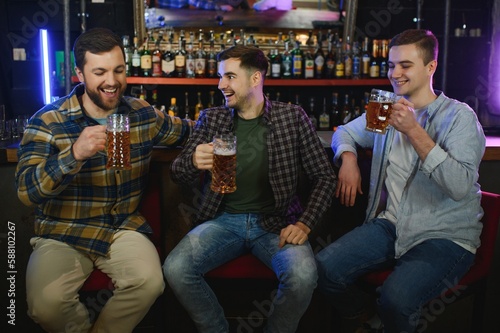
[{"x": 407, "y": 62}]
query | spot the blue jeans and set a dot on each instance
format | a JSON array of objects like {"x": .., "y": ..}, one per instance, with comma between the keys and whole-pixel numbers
[
  {"x": 419, "y": 276},
  {"x": 228, "y": 236}
]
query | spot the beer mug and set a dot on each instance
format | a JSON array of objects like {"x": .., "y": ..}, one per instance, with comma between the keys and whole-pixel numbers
[
  {"x": 118, "y": 142},
  {"x": 224, "y": 164},
  {"x": 379, "y": 109}
]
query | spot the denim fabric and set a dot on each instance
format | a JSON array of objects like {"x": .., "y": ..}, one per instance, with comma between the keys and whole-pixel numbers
[
  {"x": 442, "y": 195},
  {"x": 228, "y": 236},
  {"x": 420, "y": 275}
]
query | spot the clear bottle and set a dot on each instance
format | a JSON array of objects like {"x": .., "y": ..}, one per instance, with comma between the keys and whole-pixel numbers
[
  {"x": 275, "y": 60},
  {"x": 324, "y": 118},
  {"x": 136, "y": 59},
  {"x": 190, "y": 57},
  {"x": 198, "y": 107},
  {"x": 286, "y": 63},
  {"x": 128, "y": 55}
]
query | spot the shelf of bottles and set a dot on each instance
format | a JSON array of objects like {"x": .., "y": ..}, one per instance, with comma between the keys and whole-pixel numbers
[{"x": 315, "y": 58}]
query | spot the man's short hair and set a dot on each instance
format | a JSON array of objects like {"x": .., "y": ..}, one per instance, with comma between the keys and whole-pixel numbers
[
  {"x": 424, "y": 40},
  {"x": 96, "y": 40},
  {"x": 251, "y": 57}
]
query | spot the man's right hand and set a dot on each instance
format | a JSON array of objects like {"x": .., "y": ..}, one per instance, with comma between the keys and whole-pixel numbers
[
  {"x": 203, "y": 156},
  {"x": 349, "y": 180},
  {"x": 91, "y": 140}
]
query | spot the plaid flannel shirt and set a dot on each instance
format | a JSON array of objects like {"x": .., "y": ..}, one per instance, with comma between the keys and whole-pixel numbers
[
  {"x": 293, "y": 147},
  {"x": 82, "y": 203}
]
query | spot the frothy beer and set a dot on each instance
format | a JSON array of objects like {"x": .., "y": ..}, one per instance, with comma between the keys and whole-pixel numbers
[
  {"x": 224, "y": 164},
  {"x": 379, "y": 110},
  {"x": 377, "y": 116}
]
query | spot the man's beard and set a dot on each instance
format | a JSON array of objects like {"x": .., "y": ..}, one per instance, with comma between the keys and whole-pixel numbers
[{"x": 99, "y": 102}]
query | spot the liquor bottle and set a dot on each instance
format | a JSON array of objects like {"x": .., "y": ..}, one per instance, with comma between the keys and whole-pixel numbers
[
  {"x": 190, "y": 59},
  {"x": 142, "y": 93},
  {"x": 187, "y": 110},
  {"x": 308, "y": 65},
  {"x": 168, "y": 60},
  {"x": 154, "y": 98},
  {"x": 324, "y": 118},
  {"x": 339, "y": 62},
  {"x": 374, "y": 65},
  {"x": 384, "y": 66},
  {"x": 365, "y": 59},
  {"x": 156, "y": 57},
  {"x": 335, "y": 112},
  {"x": 212, "y": 60},
  {"x": 200, "y": 62},
  {"x": 297, "y": 61},
  {"x": 356, "y": 61},
  {"x": 312, "y": 113},
  {"x": 286, "y": 63},
  {"x": 136, "y": 59},
  {"x": 173, "y": 110},
  {"x": 146, "y": 58},
  {"x": 128, "y": 55},
  {"x": 348, "y": 58},
  {"x": 198, "y": 107},
  {"x": 346, "y": 111},
  {"x": 180, "y": 58},
  {"x": 319, "y": 60},
  {"x": 211, "y": 100},
  {"x": 280, "y": 43},
  {"x": 330, "y": 61},
  {"x": 275, "y": 60}
]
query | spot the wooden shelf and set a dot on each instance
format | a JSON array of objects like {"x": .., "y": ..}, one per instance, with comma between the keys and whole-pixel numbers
[{"x": 268, "y": 82}]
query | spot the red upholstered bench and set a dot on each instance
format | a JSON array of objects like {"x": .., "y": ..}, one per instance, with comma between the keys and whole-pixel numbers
[{"x": 151, "y": 210}]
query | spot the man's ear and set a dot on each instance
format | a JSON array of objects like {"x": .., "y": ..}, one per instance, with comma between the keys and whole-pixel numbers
[{"x": 79, "y": 74}]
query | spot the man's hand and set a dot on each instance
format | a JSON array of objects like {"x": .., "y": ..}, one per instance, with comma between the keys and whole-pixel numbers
[
  {"x": 91, "y": 140},
  {"x": 294, "y": 234},
  {"x": 349, "y": 180},
  {"x": 203, "y": 156}
]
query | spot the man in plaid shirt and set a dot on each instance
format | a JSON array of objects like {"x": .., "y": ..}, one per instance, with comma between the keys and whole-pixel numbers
[
  {"x": 87, "y": 216},
  {"x": 276, "y": 143}
]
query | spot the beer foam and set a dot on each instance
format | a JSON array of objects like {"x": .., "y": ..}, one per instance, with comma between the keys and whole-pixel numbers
[{"x": 225, "y": 152}]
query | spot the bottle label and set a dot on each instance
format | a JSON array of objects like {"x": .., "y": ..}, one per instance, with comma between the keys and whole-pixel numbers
[
  {"x": 146, "y": 62},
  {"x": 275, "y": 70},
  {"x": 167, "y": 67},
  {"x": 200, "y": 67},
  {"x": 309, "y": 72}
]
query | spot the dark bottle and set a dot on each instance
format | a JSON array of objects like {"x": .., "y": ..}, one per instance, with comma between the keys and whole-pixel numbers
[
  {"x": 339, "y": 62},
  {"x": 212, "y": 60},
  {"x": 198, "y": 107},
  {"x": 335, "y": 112},
  {"x": 275, "y": 61},
  {"x": 346, "y": 111},
  {"x": 187, "y": 110},
  {"x": 180, "y": 58},
  {"x": 356, "y": 61},
  {"x": 330, "y": 61},
  {"x": 168, "y": 60},
  {"x": 347, "y": 55},
  {"x": 190, "y": 58},
  {"x": 200, "y": 63},
  {"x": 146, "y": 58},
  {"x": 312, "y": 113},
  {"x": 308, "y": 65}
]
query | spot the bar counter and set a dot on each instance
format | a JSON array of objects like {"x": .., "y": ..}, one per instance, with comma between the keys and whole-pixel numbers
[{"x": 8, "y": 149}]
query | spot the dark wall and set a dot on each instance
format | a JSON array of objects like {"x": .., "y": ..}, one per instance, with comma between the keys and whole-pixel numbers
[{"x": 20, "y": 21}]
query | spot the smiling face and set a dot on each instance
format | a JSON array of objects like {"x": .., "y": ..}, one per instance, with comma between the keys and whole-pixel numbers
[
  {"x": 105, "y": 81},
  {"x": 235, "y": 84},
  {"x": 408, "y": 74}
]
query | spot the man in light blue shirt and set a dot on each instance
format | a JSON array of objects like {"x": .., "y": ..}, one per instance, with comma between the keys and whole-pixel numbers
[{"x": 424, "y": 199}]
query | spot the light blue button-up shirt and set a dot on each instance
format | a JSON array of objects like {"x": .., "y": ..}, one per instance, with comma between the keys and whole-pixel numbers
[{"x": 441, "y": 198}]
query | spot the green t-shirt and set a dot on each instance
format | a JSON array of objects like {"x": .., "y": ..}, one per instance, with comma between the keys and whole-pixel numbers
[{"x": 253, "y": 191}]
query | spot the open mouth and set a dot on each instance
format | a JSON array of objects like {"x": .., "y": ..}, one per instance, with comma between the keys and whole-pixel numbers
[{"x": 110, "y": 92}]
